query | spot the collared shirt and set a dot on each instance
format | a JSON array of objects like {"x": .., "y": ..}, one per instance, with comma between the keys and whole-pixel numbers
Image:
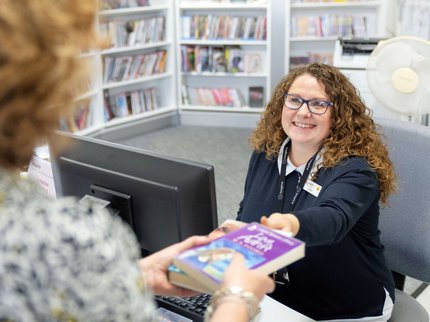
[{"x": 291, "y": 167}]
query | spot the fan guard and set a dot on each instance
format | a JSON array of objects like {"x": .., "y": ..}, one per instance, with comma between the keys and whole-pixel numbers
[{"x": 398, "y": 74}]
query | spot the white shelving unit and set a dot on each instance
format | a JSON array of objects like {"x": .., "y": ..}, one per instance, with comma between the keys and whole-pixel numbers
[
  {"x": 199, "y": 87},
  {"x": 315, "y": 26},
  {"x": 274, "y": 49},
  {"x": 137, "y": 91},
  {"x": 88, "y": 117}
]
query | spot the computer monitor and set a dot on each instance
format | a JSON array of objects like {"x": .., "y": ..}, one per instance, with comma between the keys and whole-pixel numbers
[{"x": 164, "y": 199}]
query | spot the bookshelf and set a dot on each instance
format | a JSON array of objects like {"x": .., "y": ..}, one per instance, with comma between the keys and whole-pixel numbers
[
  {"x": 223, "y": 55},
  {"x": 134, "y": 73},
  {"x": 88, "y": 117},
  {"x": 315, "y": 26}
]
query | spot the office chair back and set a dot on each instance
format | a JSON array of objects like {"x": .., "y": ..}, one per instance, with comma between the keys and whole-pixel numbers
[{"x": 405, "y": 222}]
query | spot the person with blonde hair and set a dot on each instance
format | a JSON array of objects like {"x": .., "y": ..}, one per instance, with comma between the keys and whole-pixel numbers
[
  {"x": 59, "y": 260},
  {"x": 319, "y": 170}
]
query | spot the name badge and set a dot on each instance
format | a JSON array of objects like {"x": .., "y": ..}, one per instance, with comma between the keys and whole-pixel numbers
[{"x": 312, "y": 187}]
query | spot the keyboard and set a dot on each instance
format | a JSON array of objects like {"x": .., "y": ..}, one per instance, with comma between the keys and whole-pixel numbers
[{"x": 192, "y": 307}]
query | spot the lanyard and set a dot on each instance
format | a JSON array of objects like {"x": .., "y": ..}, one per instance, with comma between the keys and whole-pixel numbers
[{"x": 302, "y": 179}]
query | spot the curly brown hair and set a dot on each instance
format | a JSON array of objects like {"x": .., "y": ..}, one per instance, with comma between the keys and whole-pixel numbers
[
  {"x": 40, "y": 70},
  {"x": 353, "y": 131}
]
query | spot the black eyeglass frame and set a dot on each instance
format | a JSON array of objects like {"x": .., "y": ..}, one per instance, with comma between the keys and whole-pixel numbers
[{"x": 302, "y": 100}]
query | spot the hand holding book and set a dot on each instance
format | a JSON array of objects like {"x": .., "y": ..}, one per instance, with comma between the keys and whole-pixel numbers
[
  {"x": 230, "y": 225},
  {"x": 264, "y": 249},
  {"x": 237, "y": 274},
  {"x": 155, "y": 267},
  {"x": 226, "y": 227},
  {"x": 288, "y": 223},
  {"x": 239, "y": 286}
]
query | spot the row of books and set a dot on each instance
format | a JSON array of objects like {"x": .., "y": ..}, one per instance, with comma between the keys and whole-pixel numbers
[
  {"x": 327, "y": 25},
  {"x": 134, "y": 32},
  {"x": 205, "y": 96},
  {"x": 81, "y": 119},
  {"x": 122, "y": 68},
  {"x": 231, "y": 59},
  {"x": 226, "y": 97},
  {"x": 320, "y": 57},
  {"x": 117, "y": 4},
  {"x": 131, "y": 103},
  {"x": 213, "y": 27}
]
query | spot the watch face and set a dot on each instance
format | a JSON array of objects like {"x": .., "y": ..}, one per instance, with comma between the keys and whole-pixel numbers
[{"x": 236, "y": 290}]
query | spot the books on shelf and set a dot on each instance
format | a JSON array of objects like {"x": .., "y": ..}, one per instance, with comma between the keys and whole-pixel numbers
[
  {"x": 234, "y": 57},
  {"x": 227, "y": 27},
  {"x": 263, "y": 248},
  {"x": 311, "y": 57},
  {"x": 122, "y": 68},
  {"x": 132, "y": 33},
  {"x": 212, "y": 96},
  {"x": 122, "y": 105},
  {"x": 328, "y": 25},
  {"x": 131, "y": 103},
  {"x": 252, "y": 62},
  {"x": 219, "y": 63},
  {"x": 256, "y": 96},
  {"x": 201, "y": 58},
  {"x": 118, "y": 4},
  {"x": 81, "y": 119},
  {"x": 231, "y": 59}
]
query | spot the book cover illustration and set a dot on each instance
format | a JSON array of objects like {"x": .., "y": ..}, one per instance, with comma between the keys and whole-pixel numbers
[
  {"x": 256, "y": 96},
  {"x": 219, "y": 63},
  {"x": 262, "y": 247}
]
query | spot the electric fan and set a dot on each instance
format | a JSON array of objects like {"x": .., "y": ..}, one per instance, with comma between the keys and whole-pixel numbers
[{"x": 398, "y": 74}]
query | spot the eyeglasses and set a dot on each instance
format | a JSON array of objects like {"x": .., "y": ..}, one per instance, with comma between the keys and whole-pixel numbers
[{"x": 315, "y": 106}]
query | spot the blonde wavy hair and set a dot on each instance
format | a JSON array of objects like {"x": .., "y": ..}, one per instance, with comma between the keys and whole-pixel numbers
[
  {"x": 353, "y": 131},
  {"x": 39, "y": 70}
]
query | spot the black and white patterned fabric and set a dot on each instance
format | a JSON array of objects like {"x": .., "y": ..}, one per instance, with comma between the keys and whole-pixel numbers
[{"x": 60, "y": 261}]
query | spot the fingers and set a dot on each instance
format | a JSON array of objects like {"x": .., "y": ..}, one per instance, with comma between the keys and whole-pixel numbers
[
  {"x": 263, "y": 220},
  {"x": 286, "y": 222},
  {"x": 237, "y": 262},
  {"x": 270, "y": 285},
  {"x": 275, "y": 221},
  {"x": 190, "y": 242},
  {"x": 255, "y": 281},
  {"x": 226, "y": 227}
]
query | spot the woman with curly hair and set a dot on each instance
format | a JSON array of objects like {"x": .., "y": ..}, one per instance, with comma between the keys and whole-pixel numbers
[
  {"x": 60, "y": 260},
  {"x": 319, "y": 170}
]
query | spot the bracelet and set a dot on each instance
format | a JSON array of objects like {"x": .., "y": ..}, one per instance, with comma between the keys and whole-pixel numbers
[{"x": 222, "y": 295}]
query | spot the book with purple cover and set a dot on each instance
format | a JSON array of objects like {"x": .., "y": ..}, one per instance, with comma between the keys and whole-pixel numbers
[
  {"x": 263, "y": 248},
  {"x": 180, "y": 278}
]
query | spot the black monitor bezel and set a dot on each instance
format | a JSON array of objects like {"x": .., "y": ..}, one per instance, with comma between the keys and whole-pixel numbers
[{"x": 190, "y": 184}]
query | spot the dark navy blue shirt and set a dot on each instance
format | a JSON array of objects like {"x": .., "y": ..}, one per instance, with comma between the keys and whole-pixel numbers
[{"x": 344, "y": 273}]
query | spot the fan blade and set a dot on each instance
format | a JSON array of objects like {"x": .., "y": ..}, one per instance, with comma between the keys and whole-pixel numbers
[
  {"x": 402, "y": 103},
  {"x": 423, "y": 70},
  {"x": 398, "y": 74},
  {"x": 393, "y": 56}
]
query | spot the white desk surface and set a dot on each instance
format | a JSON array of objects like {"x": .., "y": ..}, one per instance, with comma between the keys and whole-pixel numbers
[{"x": 273, "y": 311}]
